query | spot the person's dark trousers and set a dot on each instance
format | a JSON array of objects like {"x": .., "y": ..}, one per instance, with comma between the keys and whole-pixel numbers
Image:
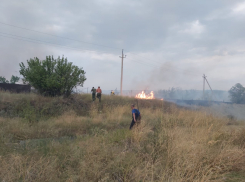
[
  {"x": 93, "y": 96},
  {"x": 99, "y": 96},
  {"x": 132, "y": 124}
]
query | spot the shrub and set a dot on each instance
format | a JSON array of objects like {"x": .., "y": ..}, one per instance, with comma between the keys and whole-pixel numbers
[
  {"x": 52, "y": 76},
  {"x": 237, "y": 94}
]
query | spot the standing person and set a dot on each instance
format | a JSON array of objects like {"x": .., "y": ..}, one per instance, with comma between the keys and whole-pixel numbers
[
  {"x": 99, "y": 92},
  {"x": 135, "y": 116},
  {"x": 93, "y": 90}
]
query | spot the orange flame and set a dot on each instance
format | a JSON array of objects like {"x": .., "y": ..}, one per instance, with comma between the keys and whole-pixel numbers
[{"x": 144, "y": 96}]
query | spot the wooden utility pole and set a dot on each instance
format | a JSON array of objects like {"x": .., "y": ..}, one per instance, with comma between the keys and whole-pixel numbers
[
  {"x": 122, "y": 71},
  {"x": 209, "y": 85},
  {"x": 204, "y": 79}
]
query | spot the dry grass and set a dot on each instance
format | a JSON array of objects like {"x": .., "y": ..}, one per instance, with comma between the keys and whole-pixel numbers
[{"x": 170, "y": 144}]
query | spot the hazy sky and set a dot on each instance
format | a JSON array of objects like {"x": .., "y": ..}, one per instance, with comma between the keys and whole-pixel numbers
[{"x": 167, "y": 43}]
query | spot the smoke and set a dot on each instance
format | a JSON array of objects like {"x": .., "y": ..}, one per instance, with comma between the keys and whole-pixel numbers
[
  {"x": 14, "y": 53},
  {"x": 179, "y": 94},
  {"x": 163, "y": 77},
  {"x": 232, "y": 111},
  {"x": 235, "y": 110}
]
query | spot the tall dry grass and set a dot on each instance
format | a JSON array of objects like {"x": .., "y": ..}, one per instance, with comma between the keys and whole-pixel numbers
[{"x": 170, "y": 144}]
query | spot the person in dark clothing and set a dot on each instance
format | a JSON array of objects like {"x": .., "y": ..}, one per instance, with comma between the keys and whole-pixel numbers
[
  {"x": 93, "y": 90},
  {"x": 135, "y": 116}
]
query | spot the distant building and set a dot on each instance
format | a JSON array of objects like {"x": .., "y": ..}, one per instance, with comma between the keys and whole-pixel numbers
[{"x": 16, "y": 88}]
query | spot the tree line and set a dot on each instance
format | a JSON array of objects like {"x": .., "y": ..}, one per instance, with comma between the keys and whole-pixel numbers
[{"x": 13, "y": 79}]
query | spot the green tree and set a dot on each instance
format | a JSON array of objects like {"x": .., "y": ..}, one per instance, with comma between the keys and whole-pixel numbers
[
  {"x": 52, "y": 76},
  {"x": 237, "y": 94},
  {"x": 14, "y": 79},
  {"x": 3, "y": 80}
]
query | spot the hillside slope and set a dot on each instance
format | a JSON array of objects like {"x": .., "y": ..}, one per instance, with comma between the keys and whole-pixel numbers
[{"x": 56, "y": 139}]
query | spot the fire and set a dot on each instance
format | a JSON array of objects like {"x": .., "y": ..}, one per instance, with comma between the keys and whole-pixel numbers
[{"x": 144, "y": 96}]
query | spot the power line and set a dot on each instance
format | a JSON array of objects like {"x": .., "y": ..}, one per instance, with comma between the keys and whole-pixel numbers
[
  {"x": 6, "y": 24},
  {"x": 6, "y": 35},
  {"x": 57, "y": 36},
  {"x": 74, "y": 48},
  {"x": 21, "y": 38},
  {"x": 55, "y": 45},
  {"x": 49, "y": 43},
  {"x": 16, "y": 37},
  {"x": 67, "y": 47}
]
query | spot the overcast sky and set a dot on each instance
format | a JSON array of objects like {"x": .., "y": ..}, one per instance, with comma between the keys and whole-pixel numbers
[{"x": 167, "y": 43}]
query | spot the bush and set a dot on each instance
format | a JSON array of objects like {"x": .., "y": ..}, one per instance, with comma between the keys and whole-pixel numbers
[
  {"x": 52, "y": 76},
  {"x": 237, "y": 94}
]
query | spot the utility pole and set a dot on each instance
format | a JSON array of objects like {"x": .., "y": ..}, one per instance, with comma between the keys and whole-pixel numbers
[
  {"x": 209, "y": 86},
  {"x": 122, "y": 71},
  {"x": 204, "y": 79}
]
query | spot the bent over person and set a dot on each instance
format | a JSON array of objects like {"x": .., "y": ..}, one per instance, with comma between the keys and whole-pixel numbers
[
  {"x": 99, "y": 92},
  {"x": 135, "y": 116}
]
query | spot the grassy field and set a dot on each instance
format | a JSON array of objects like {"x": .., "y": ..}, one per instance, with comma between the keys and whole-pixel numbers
[{"x": 73, "y": 139}]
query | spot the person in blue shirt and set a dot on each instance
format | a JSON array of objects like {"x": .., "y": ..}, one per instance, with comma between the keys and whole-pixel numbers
[{"x": 135, "y": 116}]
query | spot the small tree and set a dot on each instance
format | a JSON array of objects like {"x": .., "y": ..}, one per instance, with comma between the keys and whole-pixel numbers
[
  {"x": 237, "y": 94},
  {"x": 3, "y": 80},
  {"x": 52, "y": 76},
  {"x": 14, "y": 79}
]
